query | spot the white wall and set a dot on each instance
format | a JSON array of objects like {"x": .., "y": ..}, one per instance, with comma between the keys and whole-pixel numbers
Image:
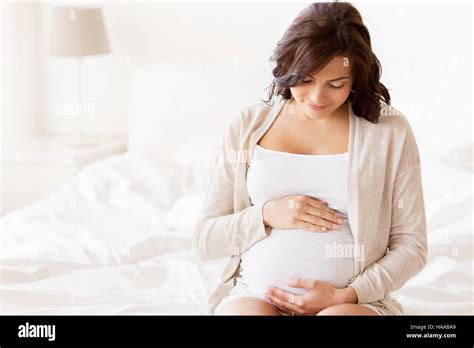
[
  {"x": 426, "y": 55},
  {"x": 20, "y": 69}
]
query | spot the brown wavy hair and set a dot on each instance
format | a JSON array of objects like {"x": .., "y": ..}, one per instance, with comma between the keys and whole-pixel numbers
[{"x": 320, "y": 32}]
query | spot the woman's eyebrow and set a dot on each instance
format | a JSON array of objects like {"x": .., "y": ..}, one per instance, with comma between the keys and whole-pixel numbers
[{"x": 339, "y": 78}]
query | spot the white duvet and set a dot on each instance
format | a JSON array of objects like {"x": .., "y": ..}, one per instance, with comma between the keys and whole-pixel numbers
[{"x": 117, "y": 240}]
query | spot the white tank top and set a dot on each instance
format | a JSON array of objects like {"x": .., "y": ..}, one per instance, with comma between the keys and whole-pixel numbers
[{"x": 284, "y": 254}]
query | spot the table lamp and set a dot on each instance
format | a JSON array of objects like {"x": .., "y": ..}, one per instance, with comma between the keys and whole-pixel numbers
[{"x": 79, "y": 32}]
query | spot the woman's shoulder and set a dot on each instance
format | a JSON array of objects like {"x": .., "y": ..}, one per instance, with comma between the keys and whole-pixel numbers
[
  {"x": 393, "y": 130},
  {"x": 392, "y": 117},
  {"x": 396, "y": 130},
  {"x": 391, "y": 120},
  {"x": 254, "y": 115},
  {"x": 259, "y": 110}
]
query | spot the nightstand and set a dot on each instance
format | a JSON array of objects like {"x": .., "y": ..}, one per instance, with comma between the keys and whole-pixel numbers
[{"x": 41, "y": 164}]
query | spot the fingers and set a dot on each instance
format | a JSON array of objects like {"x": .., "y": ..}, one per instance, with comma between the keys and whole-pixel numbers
[
  {"x": 303, "y": 283},
  {"x": 284, "y": 296},
  {"x": 302, "y": 202},
  {"x": 312, "y": 215},
  {"x": 303, "y": 225},
  {"x": 281, "y": 299},
  {"x": 318, "y": 221},
  {"x": 313, "y": 203},
  {"x": 324, "y": 214}
]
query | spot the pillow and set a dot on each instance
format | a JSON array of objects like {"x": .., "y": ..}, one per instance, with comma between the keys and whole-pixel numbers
[{"x": 175, "y": 105}]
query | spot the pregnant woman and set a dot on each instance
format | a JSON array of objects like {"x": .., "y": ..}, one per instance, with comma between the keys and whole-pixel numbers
[{"x": 317, "y": 197}]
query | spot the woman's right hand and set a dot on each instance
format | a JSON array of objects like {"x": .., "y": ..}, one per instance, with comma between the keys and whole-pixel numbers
[{"x": 300, "y": 212}]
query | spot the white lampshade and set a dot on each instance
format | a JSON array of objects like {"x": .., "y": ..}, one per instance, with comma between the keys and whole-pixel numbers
[{"x": 78, "y": 32}]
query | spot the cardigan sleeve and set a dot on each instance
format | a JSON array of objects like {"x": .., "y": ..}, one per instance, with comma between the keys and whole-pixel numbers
[
  {"x": 407, "y": 245},
  {"x": 220, "y": 231}
]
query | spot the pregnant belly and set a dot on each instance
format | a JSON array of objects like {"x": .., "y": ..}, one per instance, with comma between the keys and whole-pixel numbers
[{"x": 287, "y": 254}]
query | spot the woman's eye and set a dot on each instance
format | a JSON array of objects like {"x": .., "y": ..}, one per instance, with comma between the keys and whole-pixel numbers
[{"x": 330, "y": 85}]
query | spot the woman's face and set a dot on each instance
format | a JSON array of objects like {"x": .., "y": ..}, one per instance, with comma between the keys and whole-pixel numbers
[{"x": 318, "y": 96}]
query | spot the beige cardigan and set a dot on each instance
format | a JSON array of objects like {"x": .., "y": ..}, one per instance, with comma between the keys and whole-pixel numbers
[{"x": 385, "y": 203}]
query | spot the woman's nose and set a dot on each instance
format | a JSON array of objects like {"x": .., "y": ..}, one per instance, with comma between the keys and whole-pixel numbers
[{"x": 316, "y": 96}]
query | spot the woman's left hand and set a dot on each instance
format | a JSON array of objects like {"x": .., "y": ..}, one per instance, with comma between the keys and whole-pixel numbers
[{"x": 319, "y": 295}]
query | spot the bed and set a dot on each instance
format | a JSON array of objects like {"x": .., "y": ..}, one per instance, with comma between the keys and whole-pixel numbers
[{"x": 117, "y": 238}]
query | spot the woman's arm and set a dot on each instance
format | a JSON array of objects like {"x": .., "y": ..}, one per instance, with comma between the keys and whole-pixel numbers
[
  {"x": 219, "y": 231},
  {"x": 407, "y": 244}
]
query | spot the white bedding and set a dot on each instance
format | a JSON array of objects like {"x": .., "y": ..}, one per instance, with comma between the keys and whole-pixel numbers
[
  {"x": 100, "y": 246},
  {"x": 117, "y": 240}
]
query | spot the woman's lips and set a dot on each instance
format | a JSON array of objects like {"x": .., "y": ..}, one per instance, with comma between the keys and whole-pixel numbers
[{"x": 316, "y": 107}]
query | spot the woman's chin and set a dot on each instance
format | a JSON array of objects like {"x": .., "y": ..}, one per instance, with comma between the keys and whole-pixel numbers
[{"x": 317, "y": 115}]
